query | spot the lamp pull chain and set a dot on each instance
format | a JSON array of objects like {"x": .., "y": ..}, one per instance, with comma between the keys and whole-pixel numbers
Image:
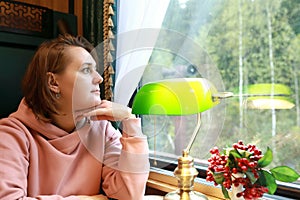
[
  {"x": 154, "y": 143},
  {"x": 188, "y": 148}
]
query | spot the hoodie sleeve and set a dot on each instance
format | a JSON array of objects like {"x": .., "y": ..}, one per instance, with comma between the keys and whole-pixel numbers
[{"x": 126, "y": 171}]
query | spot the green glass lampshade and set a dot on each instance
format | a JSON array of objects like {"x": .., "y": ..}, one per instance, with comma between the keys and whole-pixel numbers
[
  {"x": 179, "y": 96},
  {"x": 268, "y": 96}
]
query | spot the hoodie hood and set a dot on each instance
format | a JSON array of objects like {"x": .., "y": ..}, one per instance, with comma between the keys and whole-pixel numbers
[{"x": 26, "y": 116}]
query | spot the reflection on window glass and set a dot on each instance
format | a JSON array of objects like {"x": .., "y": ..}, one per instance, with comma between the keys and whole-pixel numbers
[{"x": 234, "y": 44}]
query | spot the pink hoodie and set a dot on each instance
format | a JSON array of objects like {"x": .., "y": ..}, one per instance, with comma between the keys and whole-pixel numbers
[{"x": 41, "y": 161}]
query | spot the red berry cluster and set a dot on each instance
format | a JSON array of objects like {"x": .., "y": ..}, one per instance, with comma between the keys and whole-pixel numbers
[
  {"x": 223, "y": 169},
  {"x": 252, "y": 191}
]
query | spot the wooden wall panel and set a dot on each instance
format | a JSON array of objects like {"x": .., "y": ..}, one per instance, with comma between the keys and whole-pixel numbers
[
  {"x": 61, "y": 6},
  {"x": 57, "y": 5},
  {"x": 78, "y": 13}
]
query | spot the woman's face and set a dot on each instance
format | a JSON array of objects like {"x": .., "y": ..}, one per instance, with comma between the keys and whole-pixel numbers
[{"x": 79, "y": 83}]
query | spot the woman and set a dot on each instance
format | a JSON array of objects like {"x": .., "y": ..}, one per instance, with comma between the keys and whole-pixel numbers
[{"x": 59, "y": 144}]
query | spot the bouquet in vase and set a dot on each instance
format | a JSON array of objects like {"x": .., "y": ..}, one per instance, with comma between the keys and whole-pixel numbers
[{"x": 244, "y": 165}]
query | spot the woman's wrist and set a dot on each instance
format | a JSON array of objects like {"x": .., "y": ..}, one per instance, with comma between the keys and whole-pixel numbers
[
  {"x": 132, "y": 127},
  {"x": 131, "y": 116}
]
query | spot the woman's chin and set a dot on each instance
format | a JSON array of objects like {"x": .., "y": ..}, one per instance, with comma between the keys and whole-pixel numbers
[{"x": 86, "y": 107}]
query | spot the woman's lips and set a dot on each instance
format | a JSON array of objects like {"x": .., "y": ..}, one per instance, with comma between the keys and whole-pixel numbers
[{"x": 96, "y": 92}]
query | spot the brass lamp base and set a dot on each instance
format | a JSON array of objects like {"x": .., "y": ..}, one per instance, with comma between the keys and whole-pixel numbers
[
  {"x": 192, "y": 195},
  {"x": 185, "y": 174}
]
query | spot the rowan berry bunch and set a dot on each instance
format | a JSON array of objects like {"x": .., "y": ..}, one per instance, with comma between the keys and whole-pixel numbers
[{"x": 226, "y": 167}]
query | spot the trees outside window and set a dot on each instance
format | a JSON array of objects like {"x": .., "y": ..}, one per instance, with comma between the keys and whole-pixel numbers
[{"x": 248, "y": 42}]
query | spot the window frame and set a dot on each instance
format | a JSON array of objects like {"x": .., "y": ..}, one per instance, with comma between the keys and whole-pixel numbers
[
  {"x": 161, "y": 178},
  {"x": 163, "y": 173}
]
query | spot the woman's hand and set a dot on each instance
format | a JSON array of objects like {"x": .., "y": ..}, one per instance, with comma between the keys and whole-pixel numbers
[
  {"x": 96, "y": 197},
  {"x": 108, "y": 110}
]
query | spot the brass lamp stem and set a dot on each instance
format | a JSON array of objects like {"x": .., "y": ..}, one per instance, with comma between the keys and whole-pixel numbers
[
  {"x": 185, "y": 173},
  {"x": 195, "y": 133}
]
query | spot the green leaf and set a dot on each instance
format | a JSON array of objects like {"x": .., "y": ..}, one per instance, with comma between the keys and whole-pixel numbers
[
  {"x": 266, "y": 179},
  {"x": 225, "y": 192},
  {"x": 235, "y": 154},
  {"x": 247, "y": 154},
  {"x": 266, "y": 159},
  {"x": 250, "y": 175},
  {"x": 219, "y": 178},
  {"x": 285, "y": 174}
]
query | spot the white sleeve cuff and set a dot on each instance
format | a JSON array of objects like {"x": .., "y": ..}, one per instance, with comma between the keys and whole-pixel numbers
[
  {"x": 132, "y": 127},
  {"x": 134, "y": 163}
]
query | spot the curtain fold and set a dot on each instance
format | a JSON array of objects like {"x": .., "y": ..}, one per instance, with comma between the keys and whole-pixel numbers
[
  {"x": 92, "y": 18},
  {"x": 139, "y": 23},
  {"x": 99, "y": 27}
]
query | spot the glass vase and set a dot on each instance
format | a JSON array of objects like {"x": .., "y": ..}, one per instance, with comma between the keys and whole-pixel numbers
[{"x": 237, "y": 189}]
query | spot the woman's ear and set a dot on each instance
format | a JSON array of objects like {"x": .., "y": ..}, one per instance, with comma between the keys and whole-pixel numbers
[{"x": 53, "y": 83}]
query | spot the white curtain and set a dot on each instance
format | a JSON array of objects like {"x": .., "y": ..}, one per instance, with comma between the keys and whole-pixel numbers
[{"x": 139, "y": 23}]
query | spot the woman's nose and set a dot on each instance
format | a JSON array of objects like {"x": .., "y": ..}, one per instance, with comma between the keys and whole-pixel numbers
[{"x": 98, "y": 78}]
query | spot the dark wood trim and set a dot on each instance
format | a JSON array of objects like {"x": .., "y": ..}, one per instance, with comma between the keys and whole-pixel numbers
[{"x": 71, "y": 7}]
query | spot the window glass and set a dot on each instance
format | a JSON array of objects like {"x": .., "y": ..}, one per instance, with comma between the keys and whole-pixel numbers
[{"x": 234, "y": 44}]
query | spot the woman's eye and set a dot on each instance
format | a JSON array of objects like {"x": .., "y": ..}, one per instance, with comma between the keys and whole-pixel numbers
[{"x": 86, "y": 70}]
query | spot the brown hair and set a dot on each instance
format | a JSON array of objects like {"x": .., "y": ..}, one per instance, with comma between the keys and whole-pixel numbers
[{"x": 49, "y": 57}]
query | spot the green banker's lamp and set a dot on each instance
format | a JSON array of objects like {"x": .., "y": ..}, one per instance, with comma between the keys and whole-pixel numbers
[
  {"x": 186, "y": 96},
  {"x": 180, "y": 96},
  {"x": 268, "y": 96}
]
